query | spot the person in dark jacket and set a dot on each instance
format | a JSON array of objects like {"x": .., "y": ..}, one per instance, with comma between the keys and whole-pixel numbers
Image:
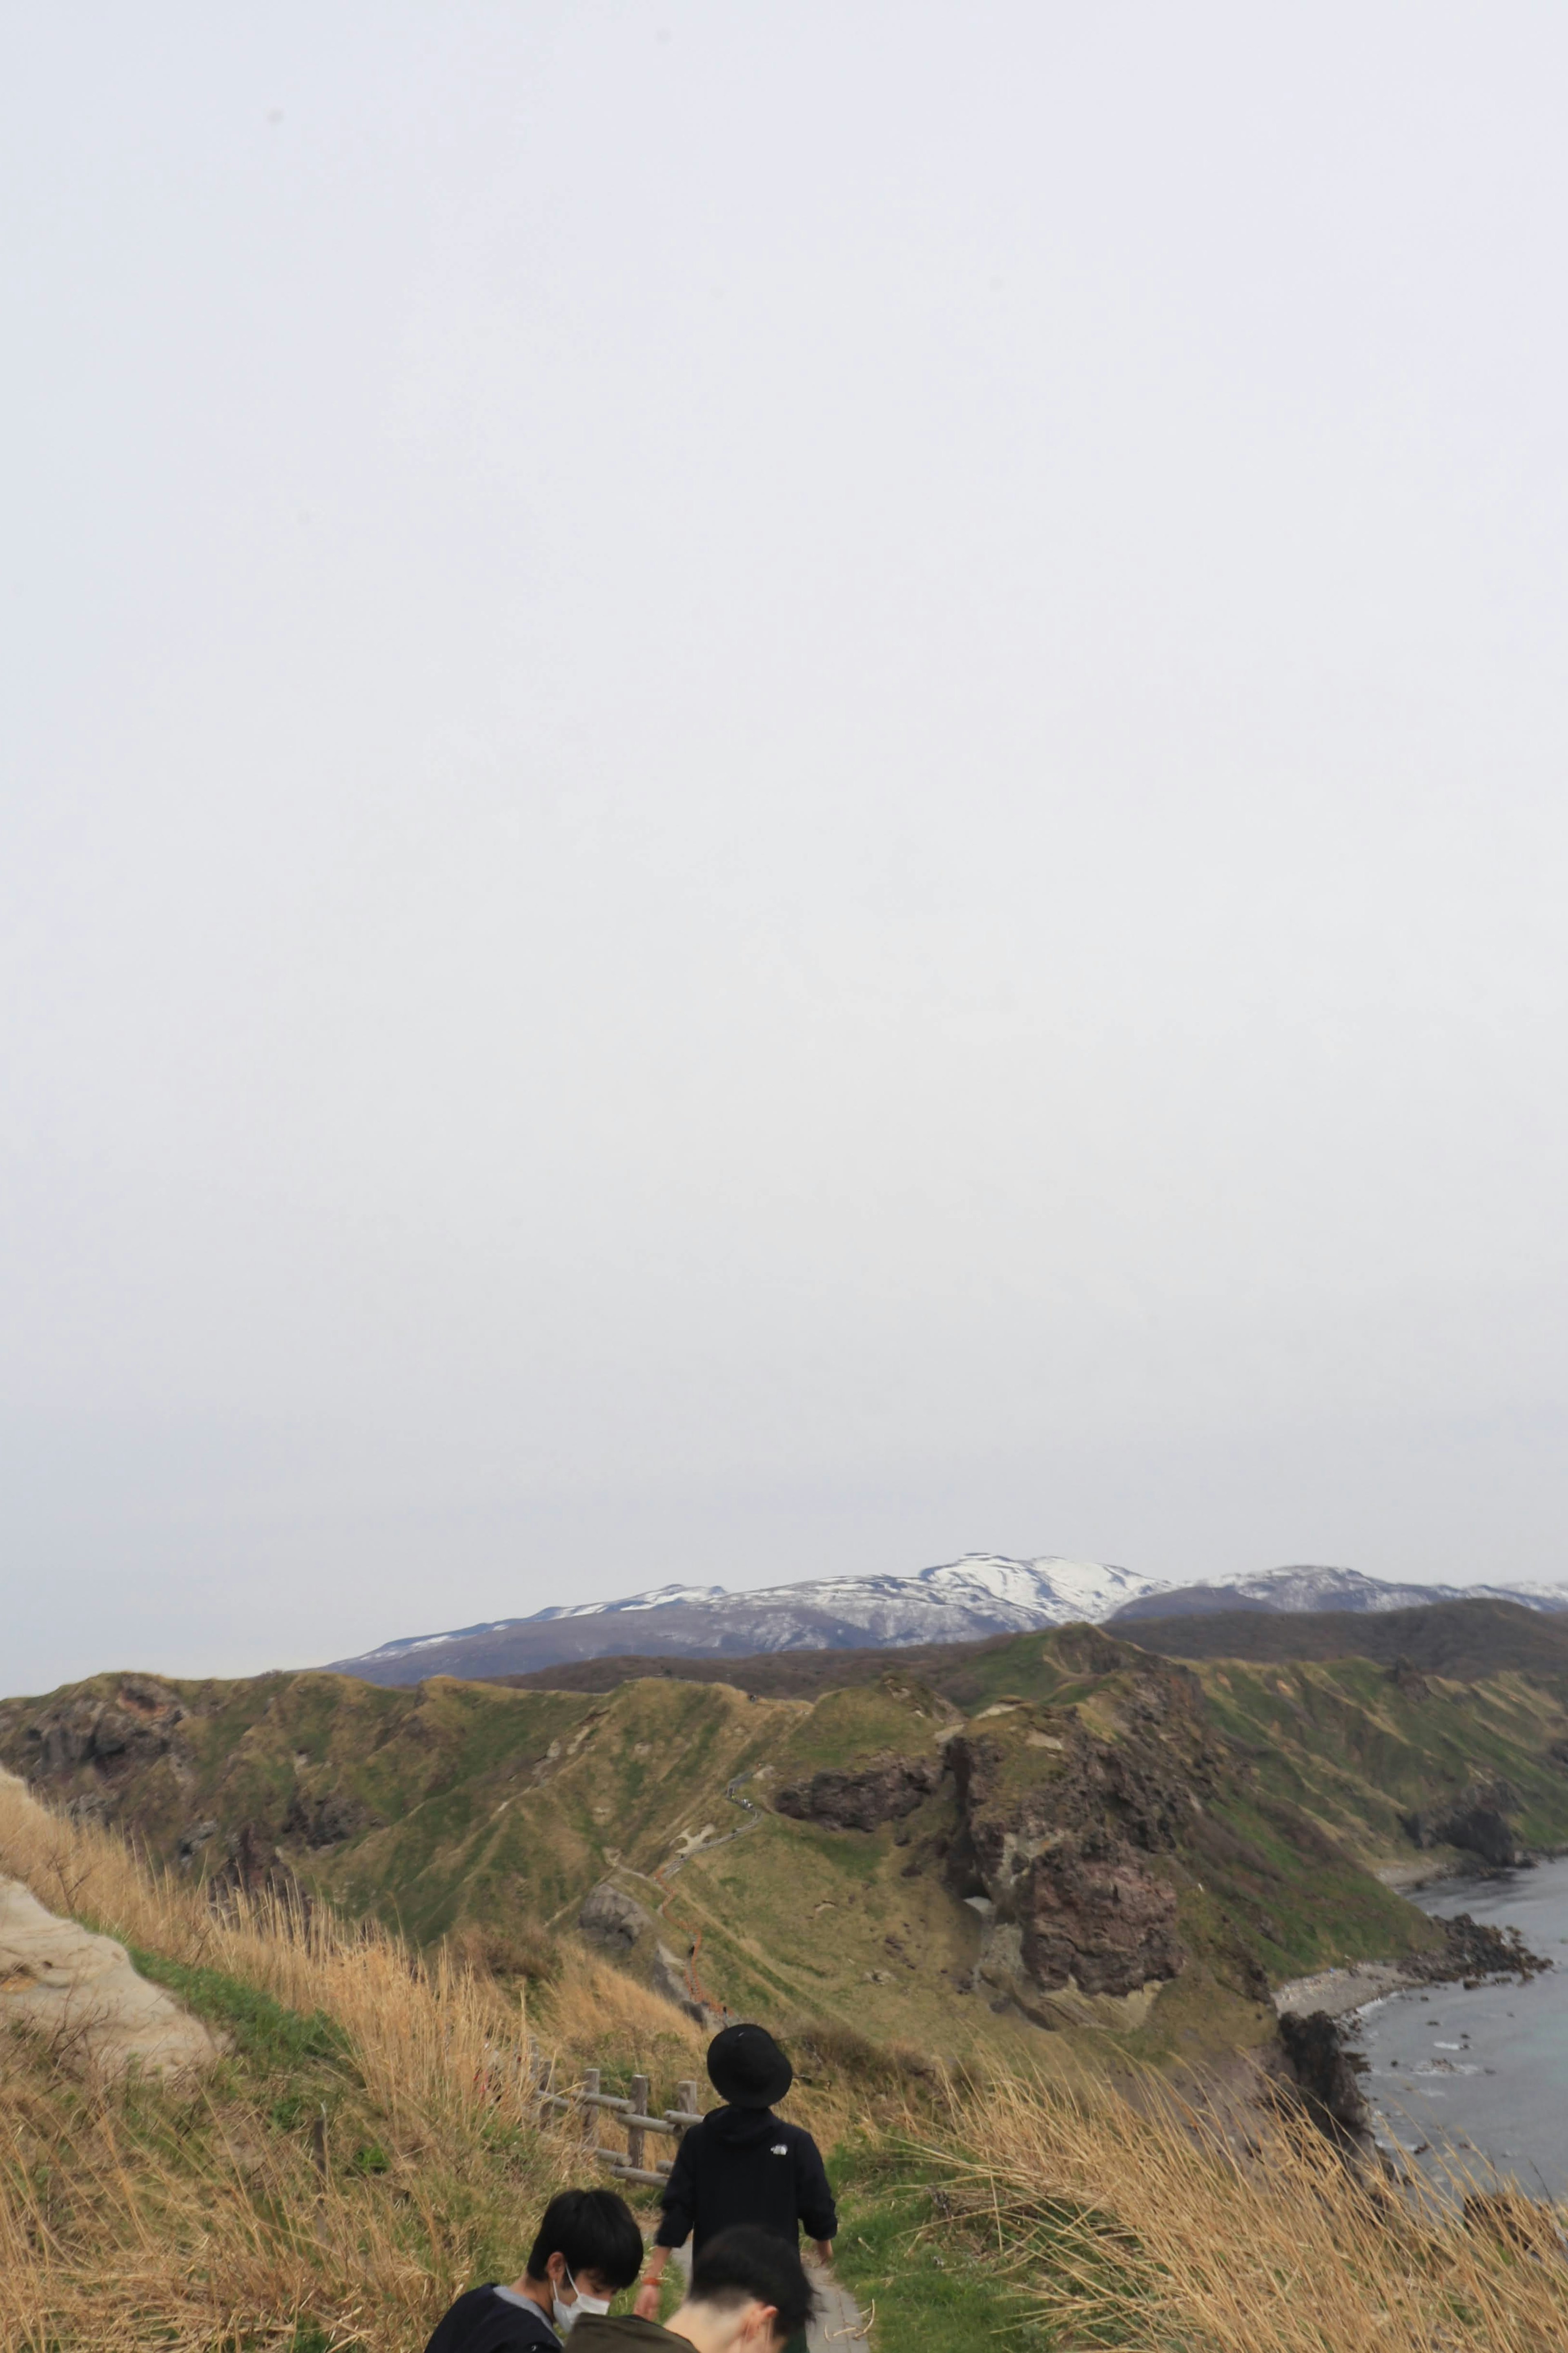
[
  {"x": 748, "y": 2295},
  {"x": 743, "y": 2164},
  {"x": 588, "y": 2247}
]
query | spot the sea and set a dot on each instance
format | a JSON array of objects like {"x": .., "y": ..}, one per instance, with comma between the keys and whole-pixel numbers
[{"x": 1476, "y": 2085}]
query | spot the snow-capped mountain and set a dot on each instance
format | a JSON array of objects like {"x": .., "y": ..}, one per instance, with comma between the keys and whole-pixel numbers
[
  {"x": 660, "y": 1597},
  {"x": 957, "y": 1601},
  {"x": 1044, "y": 1592},
  {"x": 1055, "y": 1592},
  {"x": 1297, "y": 1590}
]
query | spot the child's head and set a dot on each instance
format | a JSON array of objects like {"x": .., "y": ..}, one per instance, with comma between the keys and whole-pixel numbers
[
  {"x": 588, "y": 2246},
  {"x": 749, "y": 2294},
  {"x": 746, "y": 2067}
]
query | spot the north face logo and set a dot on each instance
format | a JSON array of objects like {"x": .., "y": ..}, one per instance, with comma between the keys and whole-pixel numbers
[{"x": 779, "y": 2148}]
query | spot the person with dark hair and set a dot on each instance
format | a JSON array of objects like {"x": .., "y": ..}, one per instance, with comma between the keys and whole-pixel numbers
[
  {"x": 749, "y": 2294},
  {"x": 743, "y": 2165},
  {"x": 587, "y": 2249}
]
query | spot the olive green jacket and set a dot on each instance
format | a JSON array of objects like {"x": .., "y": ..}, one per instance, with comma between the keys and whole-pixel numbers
[{"x": 624, "y": 2333}]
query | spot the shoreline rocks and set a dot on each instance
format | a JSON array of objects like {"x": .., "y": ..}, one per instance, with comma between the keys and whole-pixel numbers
[{"x": 1473, "y": 1952}]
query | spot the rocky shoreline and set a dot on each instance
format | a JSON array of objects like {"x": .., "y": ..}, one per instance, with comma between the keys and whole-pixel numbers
[
  {"x": 1317, "y": 2013},
  {"x": 1473, "y": 1953}
]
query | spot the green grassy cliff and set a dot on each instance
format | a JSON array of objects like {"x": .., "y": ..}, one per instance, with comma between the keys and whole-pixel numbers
[{"x": 1100, "y": 1839}]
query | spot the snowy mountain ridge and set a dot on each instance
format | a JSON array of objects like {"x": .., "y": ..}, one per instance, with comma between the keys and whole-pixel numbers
[
  {"x": 1014, "y": 1594},
  {"x": 962, "y": 1600},
  {"x": 1306, "y": 1588}
]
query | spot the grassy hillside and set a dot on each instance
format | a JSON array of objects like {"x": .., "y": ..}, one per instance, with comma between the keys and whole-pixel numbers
[
  {"x": 359, "y": 2151},
  {"x": 1098, "y": 1841},
  {"x": 1463, "y": 1641},
  {"x": 367, "y": 2148},
  {"x": 1355, "y": 1744}
]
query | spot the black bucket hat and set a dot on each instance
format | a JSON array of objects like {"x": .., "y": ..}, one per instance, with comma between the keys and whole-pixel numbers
[{"x": 746, "y": 2067}]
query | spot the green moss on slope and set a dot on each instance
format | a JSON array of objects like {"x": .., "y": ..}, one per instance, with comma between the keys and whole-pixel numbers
[{"x": 455, "y": 1806}]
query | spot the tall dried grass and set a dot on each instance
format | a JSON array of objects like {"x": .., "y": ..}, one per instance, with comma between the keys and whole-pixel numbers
[
  {"x": 182, "y": 2215},
  {"x": 201, "y": 2218},
  {"x": 437, "y": 2043},
  {"x": 1145, "y": 2223}
]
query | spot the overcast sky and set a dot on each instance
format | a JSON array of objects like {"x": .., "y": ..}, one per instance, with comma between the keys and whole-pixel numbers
[{"x": 783, "y": 791}]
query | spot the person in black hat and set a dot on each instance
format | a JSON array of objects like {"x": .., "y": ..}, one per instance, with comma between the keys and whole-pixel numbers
[{"x": 743, "y": 2164}]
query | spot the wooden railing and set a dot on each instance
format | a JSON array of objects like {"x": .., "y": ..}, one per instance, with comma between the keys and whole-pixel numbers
[{"x": 596, "y": 2109}]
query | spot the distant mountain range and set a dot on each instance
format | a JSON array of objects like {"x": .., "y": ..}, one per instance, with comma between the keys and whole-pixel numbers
[
  {"x": 1297, "y": 1590},
  {"x": 959, "y": 1602}
]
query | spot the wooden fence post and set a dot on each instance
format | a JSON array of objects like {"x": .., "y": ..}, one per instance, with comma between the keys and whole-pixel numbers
[
  {"x": 637, "y": 2136},
  {"x": 631, "y": 2114}
]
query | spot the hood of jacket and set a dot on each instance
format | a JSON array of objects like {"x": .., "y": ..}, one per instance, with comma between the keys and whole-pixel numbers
[{"x": 742, "y": 2128}]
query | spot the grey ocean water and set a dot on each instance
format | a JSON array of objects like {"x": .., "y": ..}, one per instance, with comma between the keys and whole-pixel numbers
[{"x": 1484, "y": 2076}]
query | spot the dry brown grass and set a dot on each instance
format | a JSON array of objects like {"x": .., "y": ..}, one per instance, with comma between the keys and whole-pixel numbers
[
  {"x": 424, "y": 2038},
  {"x": 1146, "y": 2224},
  {"x": 338, "y": 2195},
  {"x": 190, "y": 2217}
]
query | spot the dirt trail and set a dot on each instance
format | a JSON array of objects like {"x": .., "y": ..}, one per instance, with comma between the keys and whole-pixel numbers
[
  {"x": 837, "y": 2323},
  {"x": 81, "y": 1991}
]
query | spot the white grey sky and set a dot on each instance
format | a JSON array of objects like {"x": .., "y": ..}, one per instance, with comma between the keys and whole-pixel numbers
[{"x": 785, "y": 790}]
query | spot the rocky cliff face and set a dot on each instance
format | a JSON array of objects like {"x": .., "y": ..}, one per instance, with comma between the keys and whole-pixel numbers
[
  {"x": 886, "y": 1790},
  {"x": 1064, "y": 1823},
  {"x": 1066, "y": 1897},
  {"x": 103, "y": 1738},
  {"x": 1478, "y": 1825},
  {"x": 1084, "y": 1916},
  {"x": 1101, "y": 1824},
  {"x": 1067, "y": 1820}
]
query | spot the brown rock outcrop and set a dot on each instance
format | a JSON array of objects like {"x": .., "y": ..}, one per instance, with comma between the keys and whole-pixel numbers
[
  {"x": 1326, "y": 2072},
  {"x": 885, "y": 1790},
  {"x": 610, "y": 1916},
  {"x": 1091, "y": 1913},
  {"x": 1060, "y": 1827},
  {"x": 1478, "y": 1825},
  {"x": 255, "y": 1870},
  {"x": 328, "y": 1817},
  {"x": 111, "y": 1737},
  {"x": 1408, "y": 1680}
]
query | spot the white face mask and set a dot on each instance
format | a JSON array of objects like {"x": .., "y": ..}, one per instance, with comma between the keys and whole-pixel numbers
[{"x": 567, "y": 2316}]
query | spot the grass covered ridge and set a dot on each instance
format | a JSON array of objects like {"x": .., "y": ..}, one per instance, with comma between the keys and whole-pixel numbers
[
  {"x": 478, "y": 1816},
  {"x": 366, "y": 2148}
]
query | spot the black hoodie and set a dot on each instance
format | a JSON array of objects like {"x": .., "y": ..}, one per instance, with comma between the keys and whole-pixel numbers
[{"x": 744, "y": 2164}]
